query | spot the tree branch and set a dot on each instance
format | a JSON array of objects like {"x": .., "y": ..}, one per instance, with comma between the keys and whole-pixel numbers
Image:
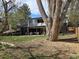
[
  {"x": 64, "y": 11},
  {"x": 41, "y": 9},
  {"x": 53, "y": 7},
  {"x": 58, "y": 8},
  {"x": 10, "y": 8},
  {"x": 9, "y": 1}
]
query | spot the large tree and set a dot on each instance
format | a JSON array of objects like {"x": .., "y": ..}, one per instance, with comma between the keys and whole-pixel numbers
[
  {"x": 20, "y": 16},
  {"x": 7, "y": 6},
  {"x": 73, "y": 13},
  {"x": 57, "y": 11},
  {"x": 24, "y": 13}
]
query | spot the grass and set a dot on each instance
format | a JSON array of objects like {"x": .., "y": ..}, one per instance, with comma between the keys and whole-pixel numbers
[
  {"x": 11, "y": 54},
  {"x": 22, "y": 38},
  {"x": 67, "y": 36},
  {"x": 20, "y": 54},
  {"x": 27, "y": 38}
]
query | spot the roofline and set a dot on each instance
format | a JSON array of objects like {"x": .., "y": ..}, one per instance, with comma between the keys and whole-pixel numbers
[{"x": 37, "y": 18}]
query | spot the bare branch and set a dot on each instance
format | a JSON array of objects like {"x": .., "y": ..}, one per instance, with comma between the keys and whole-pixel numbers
[
  {"x": 58, "y": 8},
  {"x": 65, "y": 9},
  {"x": 53, "y": 7},
  {"x": 41, "y": 9},
  {"x": 49, "y": 6},
  {"x": 10, "y": 8}
]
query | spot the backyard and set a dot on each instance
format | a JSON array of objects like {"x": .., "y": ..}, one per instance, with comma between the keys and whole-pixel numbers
[
  {"x": 39, "y": 29},
  {"x": 37, "y": 47}
]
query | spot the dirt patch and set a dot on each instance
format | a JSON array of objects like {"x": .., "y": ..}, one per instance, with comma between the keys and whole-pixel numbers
[
  {"x": 48, "y": 50},
  {"x": 44, "y": 49}
]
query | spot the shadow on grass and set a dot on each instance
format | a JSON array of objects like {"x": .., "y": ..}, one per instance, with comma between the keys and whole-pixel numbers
[{"x": 70, "y": 40}]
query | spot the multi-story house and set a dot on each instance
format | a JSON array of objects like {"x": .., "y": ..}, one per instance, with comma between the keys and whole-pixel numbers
[
  {"x": 34, "y": 26},
  {"x": 37, "y": 26}
]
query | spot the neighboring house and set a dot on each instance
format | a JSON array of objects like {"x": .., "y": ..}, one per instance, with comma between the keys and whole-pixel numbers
[
  {"x": 33, "y": 26},
  {"x": 36, "y": 22},
  {"x": 37, "y": 26}
]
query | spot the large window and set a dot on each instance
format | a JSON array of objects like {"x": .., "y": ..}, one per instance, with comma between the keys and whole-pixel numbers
[{"x": 40, "y": 21}]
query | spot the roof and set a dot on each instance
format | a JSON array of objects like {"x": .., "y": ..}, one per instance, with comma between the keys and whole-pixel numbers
[{"x": 37, "y": 18}]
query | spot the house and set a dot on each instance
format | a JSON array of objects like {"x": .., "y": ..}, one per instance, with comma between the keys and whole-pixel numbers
[
  {"x": 33, "y": 26},
  {"x": 36, "y": 26}
]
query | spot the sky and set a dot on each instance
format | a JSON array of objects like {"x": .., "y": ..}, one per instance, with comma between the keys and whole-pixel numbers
[{"x": 33, "y": 7}]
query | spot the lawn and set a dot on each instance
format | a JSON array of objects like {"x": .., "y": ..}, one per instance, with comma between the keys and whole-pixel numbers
[
  {"x": 22, "y": 38},
  {"x": 44, "y": 49},
  {"x": 27, "y": 38}
]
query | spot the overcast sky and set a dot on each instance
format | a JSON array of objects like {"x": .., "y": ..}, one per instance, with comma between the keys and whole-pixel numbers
[{"x": 33, "y": 6}]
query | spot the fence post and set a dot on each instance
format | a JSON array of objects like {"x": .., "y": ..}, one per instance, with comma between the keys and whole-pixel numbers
[{"x": 77, "y": 33}]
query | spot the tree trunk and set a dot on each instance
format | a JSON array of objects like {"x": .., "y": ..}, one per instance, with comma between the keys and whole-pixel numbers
[
  {"x": 57, "y": 12},
  {"x": 5, "y": 23},
  {"x": 6, "y": 10},
  {"x": 55, "y": 30},
  {"x": 56, "y": 21}
]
